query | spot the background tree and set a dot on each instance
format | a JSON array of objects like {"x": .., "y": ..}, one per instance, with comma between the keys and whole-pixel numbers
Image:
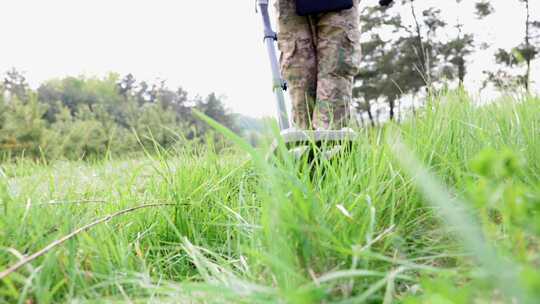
[
  {"x": 398, "y": 64},
  {"x": 81, "y": 117},
  {"x": 15, "y": 84},
  {"x": 23, "y": 128},
  {"x": 126, "y": 86},
  {"x": 457, "y": 50},
  {"x": 520, "y": 57},
  {"x": 213, "y": 107},
  {"x": 403, "y": 60},
  {"x": 483, "y": 9},
  {"x": 530, "y": 48}
]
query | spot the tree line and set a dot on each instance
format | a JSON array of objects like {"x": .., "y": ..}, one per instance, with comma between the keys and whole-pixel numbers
[
  {"x": 415, "y": 58},
  {"x": 403, "y": 59},
  {"x": 85, "y": 117}
]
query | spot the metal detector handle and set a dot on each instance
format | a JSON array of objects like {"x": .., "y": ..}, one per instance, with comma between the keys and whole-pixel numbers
[{"x": 279, "y": 84}]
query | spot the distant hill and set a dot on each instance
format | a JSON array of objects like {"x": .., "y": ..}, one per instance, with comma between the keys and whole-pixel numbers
[
  {"x": 253, "y": 129},
  {"x": 248, "y": 124}
]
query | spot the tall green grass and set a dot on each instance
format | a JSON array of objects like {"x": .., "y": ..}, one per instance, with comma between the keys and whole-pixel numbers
[{"x": 443, "y": 208}]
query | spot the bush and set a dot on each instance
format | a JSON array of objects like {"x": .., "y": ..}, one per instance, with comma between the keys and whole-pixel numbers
[{"x": 80, "y": 118}]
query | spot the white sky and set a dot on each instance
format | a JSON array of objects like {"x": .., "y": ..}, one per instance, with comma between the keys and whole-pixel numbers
[{"x": 203, "y": 46}]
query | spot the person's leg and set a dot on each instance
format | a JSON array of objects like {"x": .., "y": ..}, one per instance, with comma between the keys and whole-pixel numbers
[
  {"x": 338, "y": 53},
  {"x": 298, "y": 61}
]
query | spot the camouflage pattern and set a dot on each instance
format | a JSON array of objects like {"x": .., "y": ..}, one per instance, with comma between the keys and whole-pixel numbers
[{"x": 320, "y": 56}]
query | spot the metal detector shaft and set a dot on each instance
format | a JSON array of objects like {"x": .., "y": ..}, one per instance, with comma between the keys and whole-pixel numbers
[{"x": 279, "y": 84}]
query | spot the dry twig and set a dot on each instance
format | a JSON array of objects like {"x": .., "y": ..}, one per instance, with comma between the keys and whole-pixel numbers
[{"x": 60, "y": 241}]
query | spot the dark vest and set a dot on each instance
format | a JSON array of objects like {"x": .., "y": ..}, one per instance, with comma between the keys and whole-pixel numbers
[{"x": 313, "y": 7}]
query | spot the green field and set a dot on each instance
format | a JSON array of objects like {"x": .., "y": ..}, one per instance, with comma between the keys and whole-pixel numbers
[{"x": 442, "y": 208}]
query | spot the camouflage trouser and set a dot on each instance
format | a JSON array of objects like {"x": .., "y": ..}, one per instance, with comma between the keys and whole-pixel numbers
[{"x": 320, "y": 56}]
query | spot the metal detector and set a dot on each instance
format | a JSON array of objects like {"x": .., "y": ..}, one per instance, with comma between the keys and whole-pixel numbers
[{"x": 292, "y": 136}]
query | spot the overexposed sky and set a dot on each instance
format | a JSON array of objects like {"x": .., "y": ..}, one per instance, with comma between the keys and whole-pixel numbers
[{"x": 203, "y": 46}]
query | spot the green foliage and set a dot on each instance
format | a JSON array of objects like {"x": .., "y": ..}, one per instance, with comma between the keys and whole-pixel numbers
[
  {"x": 23, "y": 130},
  {"x": 81, "y": 117},
  {"x": 496, "y": 165},
  {"x": 503, "y": 200},
  {"x": 484, "y": 9},
  {"x": 460, "y": 227}
]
